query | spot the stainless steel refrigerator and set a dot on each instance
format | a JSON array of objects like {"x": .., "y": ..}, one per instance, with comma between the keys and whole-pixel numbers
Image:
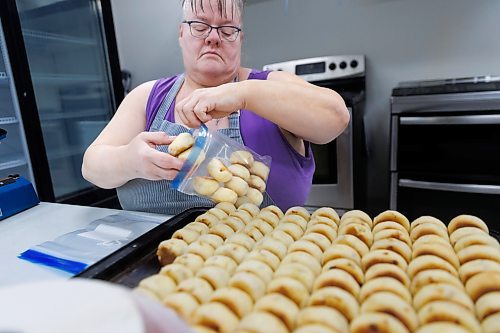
[{"x": 60, "y": 83}]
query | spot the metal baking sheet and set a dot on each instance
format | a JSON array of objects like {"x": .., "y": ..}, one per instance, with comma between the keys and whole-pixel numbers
[{"x": 137, "y": 260}]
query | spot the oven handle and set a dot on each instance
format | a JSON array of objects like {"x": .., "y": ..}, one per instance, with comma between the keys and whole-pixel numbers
[
  {"x": 493, "y": 119},
  {"x": 468, "y": 188}
]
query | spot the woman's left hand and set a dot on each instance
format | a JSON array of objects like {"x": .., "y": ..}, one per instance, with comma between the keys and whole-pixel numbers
[{"x": 205, "y": 104}]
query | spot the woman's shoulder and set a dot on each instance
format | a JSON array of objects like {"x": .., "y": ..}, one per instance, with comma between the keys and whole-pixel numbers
[
  {"x": 152, "y": 87},
  {"x": 164, "y": 83}
]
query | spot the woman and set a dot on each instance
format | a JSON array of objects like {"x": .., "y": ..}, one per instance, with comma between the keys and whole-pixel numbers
[{"x": 276, "y": 114}]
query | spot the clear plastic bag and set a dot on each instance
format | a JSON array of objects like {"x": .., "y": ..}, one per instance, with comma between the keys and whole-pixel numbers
[
  {"x": 222, "y": 170},
  {"x": 75, "y": 251}
]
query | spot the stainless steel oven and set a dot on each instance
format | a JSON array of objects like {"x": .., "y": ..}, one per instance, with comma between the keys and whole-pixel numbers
[
  {"x": 445, "y": 148},
  {"x": 340, "y": 177}
]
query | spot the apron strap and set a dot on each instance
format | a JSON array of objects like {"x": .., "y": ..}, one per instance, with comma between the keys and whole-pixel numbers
[{"x": 165, "y": 104}]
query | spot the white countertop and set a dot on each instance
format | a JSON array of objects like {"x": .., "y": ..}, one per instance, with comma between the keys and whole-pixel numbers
[{"x": 36, "y": 225}]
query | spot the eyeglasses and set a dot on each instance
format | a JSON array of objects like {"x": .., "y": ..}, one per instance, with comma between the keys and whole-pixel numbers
[{"x": 226, "y": 33}]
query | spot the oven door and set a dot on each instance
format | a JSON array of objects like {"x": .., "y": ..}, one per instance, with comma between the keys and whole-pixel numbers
[
  {"x": 333, "y": 178},
  {"x": 446, "y": 165}
]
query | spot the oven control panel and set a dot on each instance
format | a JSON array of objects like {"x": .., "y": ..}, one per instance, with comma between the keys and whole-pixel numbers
[{"x": 323, "y": 68}]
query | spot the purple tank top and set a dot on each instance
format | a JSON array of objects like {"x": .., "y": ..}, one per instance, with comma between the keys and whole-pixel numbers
[{"x": 291, "y": 173}]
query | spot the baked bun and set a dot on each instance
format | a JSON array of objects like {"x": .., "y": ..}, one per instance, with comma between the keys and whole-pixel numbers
[
  {"x": 217, "y": 170},
  {"x": 182, "y": 142},
  {"x": 462, "y": 221},
  {"x": 184, "y": 304},
  {"x": 249, "y": 283},
  {"x": 442, "y": 292},
  {"x": 177, "y": 272},
  {"x": 341, "y": 251},
  {"x": 377, "y": 322},
  {"x": 239, "y": 171},
  {"x": 358, "y": 214},
  {"x": 222, "y": 261},
  {"x": 298, "y": 272},
  {"x": 323, "y": 315},
  {"x": 387, "y": 270},
  {"x": 266, "y": 257},
  {"x": 326, "y": 212},
  {"x": 476, "y": 239},
  {"x": 353, "y": 242},
  {"x": 442, "y": 327},
  {"x": 258, "y": 268},
  {"x": 223, "y": 194},
  {"x": 394, "y": 305},
  {"x": 305, "y": 259},
  {"x": 439, "y": 311},
  {"x": 482, "y": 283},
  {"x": 218, "y": 277},
  {"x": 347, "y": 265},
  {"x": 242, "y": 157},
  {"x": 260, "y": 169},
  {"x": 323, "y": 229},
  {"x": 306, "y": 246},
  {"x": 159, "y": 285},
  {"x": 338, "y": 299},
  {"x": 337, "y": 278},
  {"x": 385, "y": 284},
  {"x": 438, "y": 250},
  {"x": 198, "y": 287},
  {"x": 262, "y": 322},
  {"x": 192, "y": 261},
  {"x": 205, "y": 185},
  {"x": 170, "y": 249},
  {"x": 392, "y": 215},
  {"x": 430, "y": 220},
  {"x": 473, "y": 267},
  {"x": 236, "y": 300},
  {"x": 233, "y": 251},
  {"x": 290, "y": 288},
  {"x": 227, "y": 207},
  {"x": 280, "y": 306},
  {"x": 216, "y": 315},
  {"x": 394, "y": 245},
  {"x": 186, "y": 235},
  {"x": 430, "y": 276},
  {"x": 383, "y": 257},
  {"x": 428, "y": 261},
  {"x": 488, "y": 304}
]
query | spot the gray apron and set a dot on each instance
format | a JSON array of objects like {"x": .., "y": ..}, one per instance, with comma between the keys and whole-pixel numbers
[{"x": 157, "y": 196}]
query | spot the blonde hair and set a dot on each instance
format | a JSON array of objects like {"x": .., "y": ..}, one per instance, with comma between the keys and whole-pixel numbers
[{"x": 237, "y": 6}]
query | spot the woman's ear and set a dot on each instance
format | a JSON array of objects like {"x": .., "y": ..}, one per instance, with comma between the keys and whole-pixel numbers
[{"x": 181, "y": 32}]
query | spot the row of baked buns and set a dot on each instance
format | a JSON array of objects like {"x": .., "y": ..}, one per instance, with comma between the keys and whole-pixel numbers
[
  {"x": 250, "y": 270},
  {"x": 288, "y": 303},
  {"x": 479, "y": 257},
  {"x": 438, "y": 296}
]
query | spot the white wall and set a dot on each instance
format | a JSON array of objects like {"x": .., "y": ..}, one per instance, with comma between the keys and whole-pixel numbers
[
  {"x": 146, "y": 33},
  {"x": 402, "y": 40}
]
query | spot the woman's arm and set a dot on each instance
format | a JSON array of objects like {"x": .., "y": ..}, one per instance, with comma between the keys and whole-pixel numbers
[
  {"x": 307, "y": 111},
  {"x": 123, "y": 151}
]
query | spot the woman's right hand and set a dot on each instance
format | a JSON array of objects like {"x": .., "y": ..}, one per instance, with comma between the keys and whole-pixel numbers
[{"x": 144, "y": 161}]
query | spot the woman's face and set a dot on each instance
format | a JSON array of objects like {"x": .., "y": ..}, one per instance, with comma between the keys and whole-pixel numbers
[{"x": 210, "y": 61}]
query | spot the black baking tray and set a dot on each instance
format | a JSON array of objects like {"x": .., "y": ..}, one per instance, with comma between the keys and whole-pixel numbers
[{"x": 137, "y": 260}]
